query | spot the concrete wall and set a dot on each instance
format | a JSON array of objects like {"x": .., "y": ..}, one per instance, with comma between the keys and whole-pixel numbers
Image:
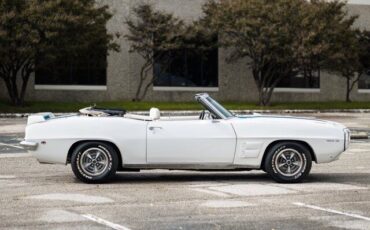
[{"x": 235, "y": 80}]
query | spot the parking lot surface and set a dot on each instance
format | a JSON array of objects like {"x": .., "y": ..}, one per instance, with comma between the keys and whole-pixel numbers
[{"x": 34, "y": 196}]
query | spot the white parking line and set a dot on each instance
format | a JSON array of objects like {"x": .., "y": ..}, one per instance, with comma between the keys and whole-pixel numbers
[
  {"x": 74, "y": 197},
  {"x": 105, "y": 222},
  {"x": 7, "y": 177},
  {"x": 226, "y": 204},
  {"x": 216, "y": 193},
  {"x": 14, "y": 155},
  {"x": 8, "y": 145},
  {"x": 332, "y": 211}
]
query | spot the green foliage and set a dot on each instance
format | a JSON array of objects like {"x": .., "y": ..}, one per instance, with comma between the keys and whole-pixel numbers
[
  {"x": 278, "y": 38},
  {"x": 350, "y": 57},
  {"x": 151, "y": 30},
  {"x": 32, "y": 30},
  {"x": 346, "y": 60},
  {"x": 364, "y": 46},
  {"x": 151, "y": 33}
]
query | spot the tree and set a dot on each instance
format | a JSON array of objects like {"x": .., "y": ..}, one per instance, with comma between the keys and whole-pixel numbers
[
  {"x": 346, "y": 60},
  {"x": 151, "y": 34},
  {"x": 364, "y": 53},
  {"x": 277, "y": 38},
  {"x": 32, "y": 30},
  {"x": 351, "y": 57}
]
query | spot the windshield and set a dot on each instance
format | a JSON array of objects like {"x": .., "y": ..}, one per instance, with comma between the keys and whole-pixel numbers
[{"x": 220, "y": 108}]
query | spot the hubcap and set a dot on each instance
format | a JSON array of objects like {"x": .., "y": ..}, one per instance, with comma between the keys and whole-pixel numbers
[
  {"x": 94, "y": 161},
  {"x": 289, "y": 162}
]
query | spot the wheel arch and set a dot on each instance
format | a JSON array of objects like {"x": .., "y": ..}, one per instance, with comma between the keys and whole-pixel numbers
[
  {"x": 294, "y": 141},
  {"x": 74, "y": 146}
]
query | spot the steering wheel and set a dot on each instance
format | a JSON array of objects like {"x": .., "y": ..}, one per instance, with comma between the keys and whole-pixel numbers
[{"x": 202, "y": 114}]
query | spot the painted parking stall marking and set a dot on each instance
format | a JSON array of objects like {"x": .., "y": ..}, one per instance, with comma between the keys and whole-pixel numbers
[
  {"x": 332, "y": 211},
  {"x": 10, "y": 145},
  {"x": 226, "y": 204},
  {"x": 320, "y": 187},
  {"x": 7, "y": 177},
  {"x": 243, "y": 190},
  {"x": 14, "y": 155},
  {"x": 251, "y": 190},
  {"x": 211, "y": 192},
  {"x": 105, "y": 222},
  {"x": 230, "y": 190},
  {"x": 61, "y": 216},
  {"x": 74, "y": 197}
]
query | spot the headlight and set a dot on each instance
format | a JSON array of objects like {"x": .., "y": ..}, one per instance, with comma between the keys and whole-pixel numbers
[{"x": 347, "y": 138}]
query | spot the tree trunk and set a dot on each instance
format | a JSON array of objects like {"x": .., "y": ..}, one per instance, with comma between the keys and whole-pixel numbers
[
  {"x": 348, "y": 93},
  {"x": 258, "y": 80},
  {"x": 143, "y": 76},
  {"x": 146, "y": 89},
  {"x": 265, "y": 94},
  {"x": 268, "y": 95},
  {"x": 23, "y": 89},
  {"x": 14, "y": 87},
  {"x": 138, "y": 90},
  {"x": 16, "y": 97},
  {"x": 261, "y": 95}
]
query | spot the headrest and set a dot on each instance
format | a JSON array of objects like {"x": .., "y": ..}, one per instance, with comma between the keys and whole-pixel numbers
[{"x": 154, "y": 114}]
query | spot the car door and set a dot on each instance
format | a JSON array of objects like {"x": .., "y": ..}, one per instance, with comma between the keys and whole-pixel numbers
[{"x": 190, "y": 142}]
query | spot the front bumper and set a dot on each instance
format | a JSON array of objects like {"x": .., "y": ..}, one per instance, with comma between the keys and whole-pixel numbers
[
  {"x": 29, "y": 145},
  {"x": 347, "y": 138}
]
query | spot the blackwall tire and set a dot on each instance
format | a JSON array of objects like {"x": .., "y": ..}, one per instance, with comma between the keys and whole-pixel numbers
[
  {"x": 94, "y": 162},
  {"x": 288, "y": 162}
]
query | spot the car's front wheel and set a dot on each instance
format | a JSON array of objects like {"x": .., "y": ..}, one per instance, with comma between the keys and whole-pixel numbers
[
  {"x": 288, "y": 162},
  {"x": 94, "y": 162}
]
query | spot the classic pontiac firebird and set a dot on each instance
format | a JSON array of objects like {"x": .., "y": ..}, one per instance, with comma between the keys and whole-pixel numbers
[{"x": 99, "y": 142}]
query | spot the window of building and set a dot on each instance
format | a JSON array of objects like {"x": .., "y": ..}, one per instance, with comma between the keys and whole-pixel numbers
[
  {"x": 364, "y": 82},
  {"x": 89, "y": 68},
  {"x": 302, "y": 80},
  {"x": 187, "y": 68}
]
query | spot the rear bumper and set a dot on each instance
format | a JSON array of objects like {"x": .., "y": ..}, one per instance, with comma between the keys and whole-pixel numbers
[{"x": 29, "y": 145}]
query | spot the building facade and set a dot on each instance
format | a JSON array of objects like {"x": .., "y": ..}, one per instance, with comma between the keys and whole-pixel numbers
[{"x": 116, "y": 77}]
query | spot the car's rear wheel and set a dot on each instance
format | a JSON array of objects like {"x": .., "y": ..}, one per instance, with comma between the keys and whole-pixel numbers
[
  {"x": 94, "y": 162},
  {"x": 288, "y": 162}
]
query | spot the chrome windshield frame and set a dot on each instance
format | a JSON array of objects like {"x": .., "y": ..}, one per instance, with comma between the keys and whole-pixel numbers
[{"x": 202, "y": 98}]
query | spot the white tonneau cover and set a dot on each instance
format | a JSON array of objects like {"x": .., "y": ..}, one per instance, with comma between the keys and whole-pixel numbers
[
  {"x": 138, "y": 117},
  {"x": 39, "y": 117}
]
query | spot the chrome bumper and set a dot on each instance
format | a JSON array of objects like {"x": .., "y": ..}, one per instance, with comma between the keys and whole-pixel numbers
[
  {"x": 28, "y": 145},
  {"x": 347, "y": 138}
]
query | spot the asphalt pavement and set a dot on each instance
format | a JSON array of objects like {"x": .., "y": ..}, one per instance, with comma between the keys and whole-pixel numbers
[{"x": 35, "y": 196}]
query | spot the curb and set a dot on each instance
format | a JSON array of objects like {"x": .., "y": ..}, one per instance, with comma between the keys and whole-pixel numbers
[
  {"x": 360, "y": 134},
  {"x": 356, "y": 137},
  {"x": 196, "y": 112}
]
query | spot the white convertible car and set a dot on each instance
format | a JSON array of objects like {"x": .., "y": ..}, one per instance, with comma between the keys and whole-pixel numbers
[{"x": 99, "y": 142}]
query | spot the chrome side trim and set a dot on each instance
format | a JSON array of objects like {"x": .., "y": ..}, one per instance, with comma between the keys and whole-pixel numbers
[{"x": 190, "y": 166}]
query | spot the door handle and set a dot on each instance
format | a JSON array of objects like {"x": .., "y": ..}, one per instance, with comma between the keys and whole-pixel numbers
[
  {"x": 153, "y": 128},
  {"x": 216, "y": 121}
]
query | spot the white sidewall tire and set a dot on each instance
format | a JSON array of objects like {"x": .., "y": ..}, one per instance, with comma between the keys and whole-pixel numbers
[
  {"x": 271, "y": 167},
  {"x": 106, "y": 174}
]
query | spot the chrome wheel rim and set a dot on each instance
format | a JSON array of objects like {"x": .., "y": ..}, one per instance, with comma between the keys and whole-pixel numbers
[
  {"x": 289, "y": 162},
  {"x": 94, "y": 161}
]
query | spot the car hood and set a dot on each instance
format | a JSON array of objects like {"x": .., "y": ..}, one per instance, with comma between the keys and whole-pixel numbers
[{"x": 290, "y": 119}]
